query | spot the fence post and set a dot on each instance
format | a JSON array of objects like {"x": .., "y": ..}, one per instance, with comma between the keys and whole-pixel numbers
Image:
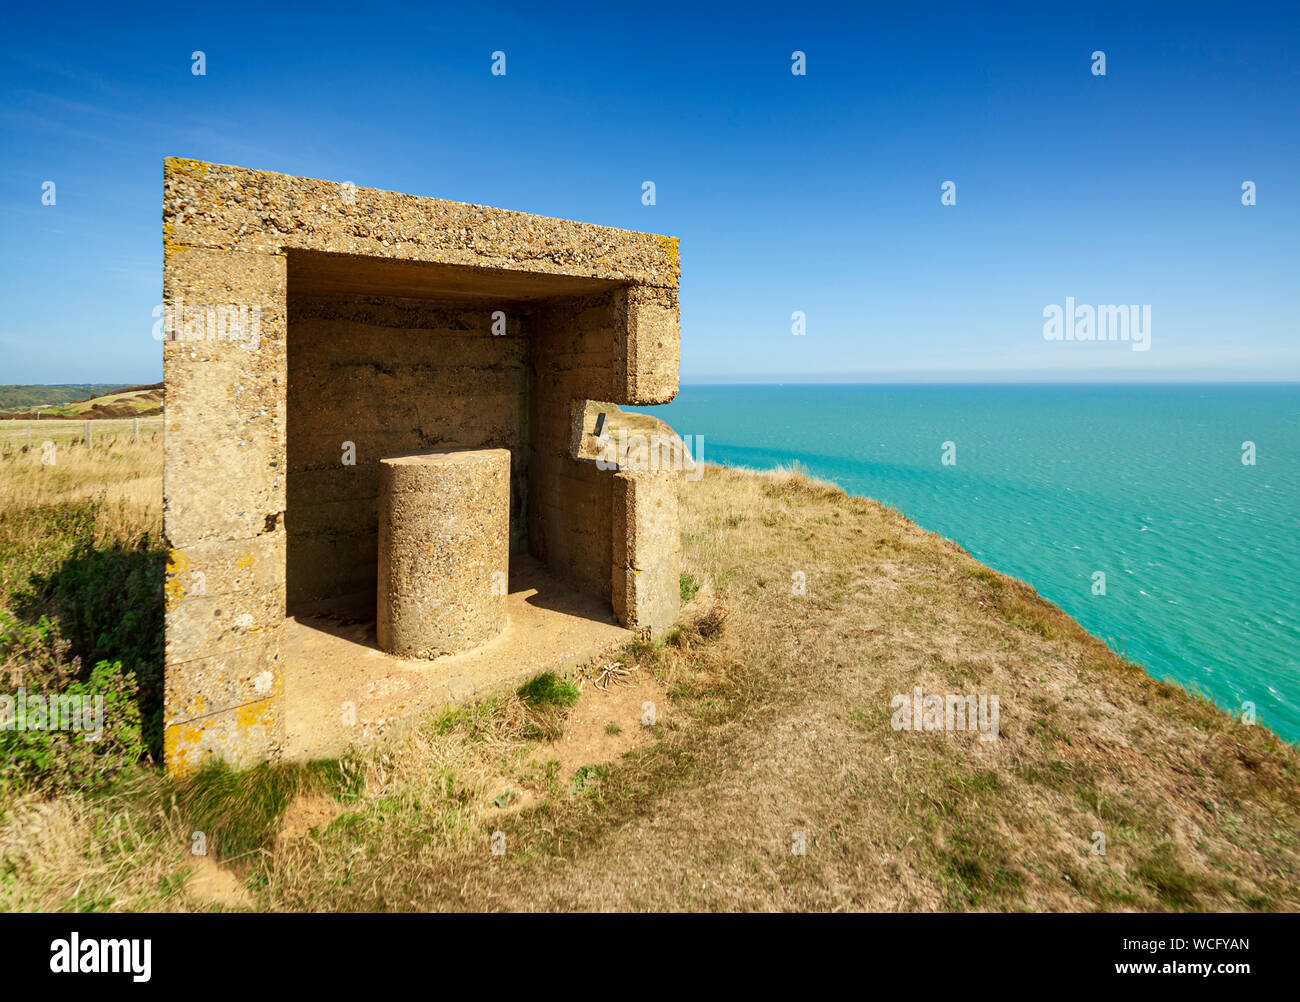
[
  {"x": 89, "y": 440},
  {"x": 135, "y": 429},
  {"x": 29, "y": 437}
]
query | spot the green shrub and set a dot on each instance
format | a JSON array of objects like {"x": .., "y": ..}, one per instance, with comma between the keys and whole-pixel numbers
[
  {"x": 547, "y": 699},
  {"x": 108, "y": 604},
  {"x": 36, "y": 657},
  {"x": 37, "y": 660}
]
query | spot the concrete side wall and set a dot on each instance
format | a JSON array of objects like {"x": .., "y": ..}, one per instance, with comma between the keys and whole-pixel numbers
[
  {"x": 647, "y": 550},
  {"x": 570, "y": 504},
  {"x": 647, "y": 345},
  {"x": 390, "y": 376},
  {"x": 620, "y": 346},
  {"x": 223, "y": 498}
]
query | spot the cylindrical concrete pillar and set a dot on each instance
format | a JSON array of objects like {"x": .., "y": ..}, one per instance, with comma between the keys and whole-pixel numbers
[{"x": 444, "y": 550}]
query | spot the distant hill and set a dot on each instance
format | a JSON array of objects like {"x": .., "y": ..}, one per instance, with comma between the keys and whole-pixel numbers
[
  {"x": 25, "y": 397},
  {"x": 95, "y": 400}
]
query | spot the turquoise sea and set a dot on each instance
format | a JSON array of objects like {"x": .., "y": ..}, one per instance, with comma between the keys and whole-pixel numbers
[{"x": 1054, "y": 483}]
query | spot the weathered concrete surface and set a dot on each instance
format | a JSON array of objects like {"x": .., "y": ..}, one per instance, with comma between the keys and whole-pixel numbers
[
  {"x": 259, "y": 212},
  {"x": 444, "y": 550},
  {"x": 384, "y": 323},
  {"x": 647, "y": 551},
  {"x": 372, "y": 377},
  {"x": 223, "y": 497},
  {"x": 341, "y": 690},
  {"x": 649, "y": 460}
]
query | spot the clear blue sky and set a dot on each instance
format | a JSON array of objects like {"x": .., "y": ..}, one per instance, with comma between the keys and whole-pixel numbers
[{"x": 818, "y": 193}]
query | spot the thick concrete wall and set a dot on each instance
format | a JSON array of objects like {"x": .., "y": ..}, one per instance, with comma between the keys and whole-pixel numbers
[
  {"x": 390, "y": 376},
  {"x": 647, "y": 550},
  {"x": 570, "y": 504},
  {"x": 645, "y": 460},
  {"x": 223, "y": 495},
  {"x": 622, "y": 346}
]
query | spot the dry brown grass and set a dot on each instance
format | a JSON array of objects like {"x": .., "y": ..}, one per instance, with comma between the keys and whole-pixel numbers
[
  {"x": 72, "y": 853},
  {"x": 15, "y": 434},
  {"x": 124, "y": 472},
  {"x": 780, "y": 725}
]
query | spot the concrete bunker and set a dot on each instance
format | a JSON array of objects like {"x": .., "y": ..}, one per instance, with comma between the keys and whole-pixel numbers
[{"x": 386, "y": 326}]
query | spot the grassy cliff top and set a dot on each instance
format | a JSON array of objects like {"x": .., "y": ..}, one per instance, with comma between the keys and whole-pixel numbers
[{"x": 773, "y": 731}]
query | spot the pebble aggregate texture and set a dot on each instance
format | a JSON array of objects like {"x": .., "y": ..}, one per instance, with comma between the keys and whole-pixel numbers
[
  {"x": 444, "y": 550},
  {"x": 376, "y": 328}
]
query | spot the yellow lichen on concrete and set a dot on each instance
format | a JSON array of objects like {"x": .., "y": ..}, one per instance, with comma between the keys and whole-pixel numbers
[
  {"x": 253, "y": 714},
  {"x": 669, "y": 245},
  {"x": 173, "y": 587},
  {"x": 197, "y": 169},
  {"x": 240, "y": 736},
  {"x": 170, "y": 246},
  {"x": 178, "y": 741}
]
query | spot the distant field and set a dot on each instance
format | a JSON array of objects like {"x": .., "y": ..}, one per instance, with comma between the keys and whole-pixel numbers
[
  {"x": 121, "y": 401},
  {"x": 64, "y": 430},
  {"x": 20, "y": 397}
]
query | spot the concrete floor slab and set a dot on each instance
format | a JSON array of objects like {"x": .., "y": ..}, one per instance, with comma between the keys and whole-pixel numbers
[{"x": 340, "y": 689}]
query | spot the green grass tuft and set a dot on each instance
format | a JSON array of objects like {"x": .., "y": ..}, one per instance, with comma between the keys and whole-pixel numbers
[
  {"x": 239, "y": 811},
  {"x": 548, "y": 689}
]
